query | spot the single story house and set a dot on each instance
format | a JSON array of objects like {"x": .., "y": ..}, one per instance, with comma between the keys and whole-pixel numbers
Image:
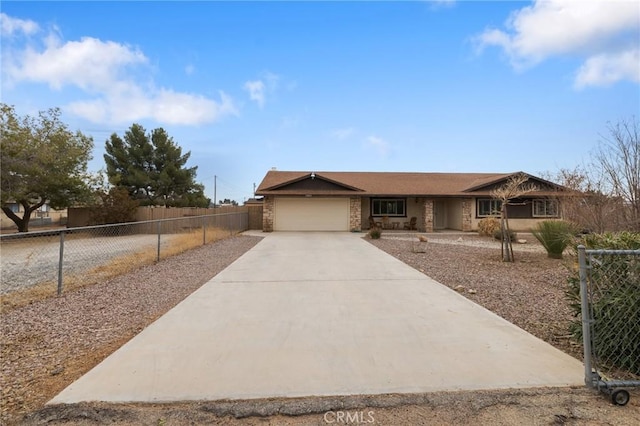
[{"x": 349, "y": 201}]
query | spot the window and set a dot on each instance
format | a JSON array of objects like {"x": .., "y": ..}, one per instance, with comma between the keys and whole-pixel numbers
[
  {"x": 545, "y": 208},
  {"x": 388, "y": 207},
  {"x": 14, "y": 207},
  {"x": 488, "y": 207}
]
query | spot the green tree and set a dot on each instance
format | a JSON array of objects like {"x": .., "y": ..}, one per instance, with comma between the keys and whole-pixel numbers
[
  {"x": 153, "y": 169},
  {"x": 42, "y": 162}
]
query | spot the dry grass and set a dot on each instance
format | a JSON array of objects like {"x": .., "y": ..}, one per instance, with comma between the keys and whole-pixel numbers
[{"x": 115, "y": 267}]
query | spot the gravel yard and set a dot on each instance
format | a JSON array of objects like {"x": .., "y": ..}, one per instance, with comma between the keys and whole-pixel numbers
[{"x": 48, "y": 344}]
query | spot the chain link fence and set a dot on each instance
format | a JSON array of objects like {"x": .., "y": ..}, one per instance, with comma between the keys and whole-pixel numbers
[
  {"x": 36, "y": 264},
  {"x": 610, "y": 302}
]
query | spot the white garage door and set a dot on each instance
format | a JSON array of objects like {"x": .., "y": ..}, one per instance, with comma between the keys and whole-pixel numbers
[{"x": 311, "y": 214}]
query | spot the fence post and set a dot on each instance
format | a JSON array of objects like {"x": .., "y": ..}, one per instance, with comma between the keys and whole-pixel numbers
[
  {"x": 204, "y": 230},
  {"x": 60, "y": 262},
  {"x": 586, "y": 320},
  {"x": 158, "y": 255}
]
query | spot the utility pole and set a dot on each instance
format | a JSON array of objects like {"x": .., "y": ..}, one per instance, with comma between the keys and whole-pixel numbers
[
  {"x": 254, "y": 190},
  {"x": 215, "y": 190}
]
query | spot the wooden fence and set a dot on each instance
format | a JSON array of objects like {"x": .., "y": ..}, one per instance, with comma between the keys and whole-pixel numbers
[
  {"x": 80, "y": 216},
  {"x": 255, "y": 216}
]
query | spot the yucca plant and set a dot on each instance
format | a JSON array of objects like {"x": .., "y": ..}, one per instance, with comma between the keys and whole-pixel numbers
[{"x": 555, "y": 236}]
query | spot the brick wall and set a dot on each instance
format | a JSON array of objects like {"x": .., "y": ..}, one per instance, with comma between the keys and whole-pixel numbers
[
  {"x": 355, "y": 214},
  {"x": 427, "y": 216},
  {"x": 267, "y": 213},
  {"x": 466, "y": 215}
]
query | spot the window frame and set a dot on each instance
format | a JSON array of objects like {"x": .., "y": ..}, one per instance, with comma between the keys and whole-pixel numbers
[
  {"x": 492, "y": 202},
  {"x": 403, "y": 202},
  {"x": 547, "y": 203}
]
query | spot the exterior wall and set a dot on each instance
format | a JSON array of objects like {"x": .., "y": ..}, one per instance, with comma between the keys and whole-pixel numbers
[
  {"x": 467, "y": 224},
  {"x": 365, "y": 208},
  {"x": 516, "y": 224},
  {"x": 413, "y": 206},
  {"x": 355, "y": 214},
  {"x": 268, "y": 213},
  {"x": 425, "y": 224}
]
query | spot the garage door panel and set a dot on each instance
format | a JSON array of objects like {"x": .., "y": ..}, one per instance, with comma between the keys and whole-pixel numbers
[{"x": 311, "y": 214}]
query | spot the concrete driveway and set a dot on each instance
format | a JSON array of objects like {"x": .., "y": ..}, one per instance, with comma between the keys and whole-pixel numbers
[{"x": 306, "y": 314}]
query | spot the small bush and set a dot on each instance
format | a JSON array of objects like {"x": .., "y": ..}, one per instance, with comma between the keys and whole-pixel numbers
[
  {"x": 115, "y": 206},
  {"x": 555, "y": 236},
  {"x": 375, "y": 233},
  {"x": 616, "y": 309},
  {"x": 497, "y": 234},
  {"x": 612, "y": 241},
  {"x": 488, "y": 225}
]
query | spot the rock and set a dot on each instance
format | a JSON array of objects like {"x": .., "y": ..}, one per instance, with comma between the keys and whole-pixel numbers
[
  {"x": 57, "y": 371},
  {"x": 422, "y": 238},
  {"x": 471, "y": 291},
  {"x": 459, "y": 288},
  {"x": 459, "y": 240},
  {"x": 522, "y": 241}
]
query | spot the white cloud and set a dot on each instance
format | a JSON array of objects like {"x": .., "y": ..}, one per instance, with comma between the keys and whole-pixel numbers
[
  {"x": 377, "y": 144},
  {"x": 10, "y": 26},
  {"x": 588, "y": 29},
  {"x": 89, "y": 64},
  {"x": 256, "y": 91},
  {"x": 163, "y": 105},
  {"x": 342, "y": 134},
  {"x": 115, "y": 76},
  {"x": 605, "y": 69}
]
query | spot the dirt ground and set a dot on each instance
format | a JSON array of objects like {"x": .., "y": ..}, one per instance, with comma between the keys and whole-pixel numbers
[
  {"x": 568, "y": 406},
  {"x": 25, "y": 392}
]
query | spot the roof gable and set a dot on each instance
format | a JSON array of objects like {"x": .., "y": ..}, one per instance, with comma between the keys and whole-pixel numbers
[
  {"x": 496, "y": 182},
  {"x": 310, "y": 182}
]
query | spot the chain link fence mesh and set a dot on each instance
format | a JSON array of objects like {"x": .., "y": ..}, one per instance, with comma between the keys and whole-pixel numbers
[
  {"x": 610, "y": 282},
  {"x": 36, "y": 264}
]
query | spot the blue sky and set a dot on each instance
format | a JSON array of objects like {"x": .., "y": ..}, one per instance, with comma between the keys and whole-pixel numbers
[{"x": 448, "y": 86}]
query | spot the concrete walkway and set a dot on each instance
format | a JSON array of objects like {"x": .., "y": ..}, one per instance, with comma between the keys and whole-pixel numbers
[{"x": 321, "y": 314}]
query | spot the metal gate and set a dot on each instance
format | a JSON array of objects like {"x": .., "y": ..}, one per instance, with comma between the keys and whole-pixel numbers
[{"x": 610, "y": 301}]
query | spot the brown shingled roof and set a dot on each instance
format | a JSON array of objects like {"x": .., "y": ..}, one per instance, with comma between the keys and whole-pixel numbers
[{"x": 389, "y": 183}]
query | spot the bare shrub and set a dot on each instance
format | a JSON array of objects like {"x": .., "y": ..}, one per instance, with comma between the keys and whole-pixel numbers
[{"x": 488, "y": 225}]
